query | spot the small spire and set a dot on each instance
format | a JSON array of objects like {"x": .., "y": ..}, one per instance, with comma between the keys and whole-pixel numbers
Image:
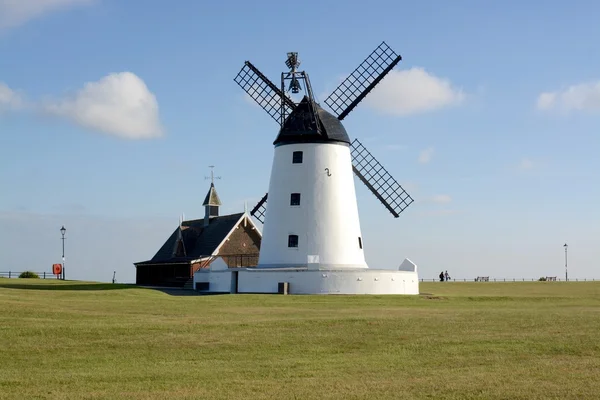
[{"x": 212, "y": 198}]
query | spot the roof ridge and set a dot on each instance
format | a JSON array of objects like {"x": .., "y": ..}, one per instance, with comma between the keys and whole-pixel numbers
[{"x": 213, "y": 218}]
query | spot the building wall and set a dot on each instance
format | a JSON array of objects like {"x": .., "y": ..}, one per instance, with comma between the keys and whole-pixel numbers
[
  {"x": 243, "y": 240},
  {"x": 326, "y": 221},
  {"x": 346, "y": 281},
  {"x": 201, "y": 264},
  {"x": 222, "y": 279},
  {"x": 163, "y": 275},
  {"x": 219, "y": 281}
]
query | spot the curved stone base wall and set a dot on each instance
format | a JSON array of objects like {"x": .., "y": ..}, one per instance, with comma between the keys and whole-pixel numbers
[{"x": 310, "y": 281}]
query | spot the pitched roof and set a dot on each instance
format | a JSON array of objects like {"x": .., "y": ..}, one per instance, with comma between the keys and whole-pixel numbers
[
  {"x": 212, "y": 198},
  {"x": 199, "y": 241}
]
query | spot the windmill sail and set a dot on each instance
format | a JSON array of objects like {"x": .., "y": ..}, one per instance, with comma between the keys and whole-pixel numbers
[
  {"x": 362, "y": 80},
  {"x": 264, "y": 92},
  {"x": 378, "y": 180},
  {"x": 260, "y": 209},
  {"x": 342, "y": 101}
]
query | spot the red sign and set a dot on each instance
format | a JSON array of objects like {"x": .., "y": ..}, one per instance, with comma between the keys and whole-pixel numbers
[{"x": 56, "y": 269}]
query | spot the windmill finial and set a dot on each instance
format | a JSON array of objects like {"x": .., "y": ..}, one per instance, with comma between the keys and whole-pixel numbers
[
  {"x": 212, "y": 176},
  {"x": 292, "y": 61}
]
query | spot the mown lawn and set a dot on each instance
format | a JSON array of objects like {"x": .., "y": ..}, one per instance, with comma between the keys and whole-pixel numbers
[{"x": 76, "y": 340}]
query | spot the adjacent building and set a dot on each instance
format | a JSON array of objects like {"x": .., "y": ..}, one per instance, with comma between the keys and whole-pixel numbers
[{"x": 194, "y": 245}]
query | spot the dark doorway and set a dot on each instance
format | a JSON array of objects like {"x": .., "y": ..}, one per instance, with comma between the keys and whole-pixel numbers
[{"x": 234, "y": 281}]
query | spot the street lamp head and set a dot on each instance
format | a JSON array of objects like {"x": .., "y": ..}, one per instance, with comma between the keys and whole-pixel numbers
[{"x": 63, "y": 230}]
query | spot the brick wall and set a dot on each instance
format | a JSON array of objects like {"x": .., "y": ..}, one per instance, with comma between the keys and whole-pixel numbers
[{"x": 243, "y": 240}]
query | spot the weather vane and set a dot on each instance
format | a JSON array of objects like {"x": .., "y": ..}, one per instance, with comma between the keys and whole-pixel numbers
[
  {"x": 292, "y": 63},
  {"x": 212, "y": 176}
]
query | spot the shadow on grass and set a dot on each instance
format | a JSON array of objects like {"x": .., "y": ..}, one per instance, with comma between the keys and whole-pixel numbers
[
  {"x": 184, "y": 292},
  {"x": 172, "y": 291},
  {"x": 66, "y": 286}
]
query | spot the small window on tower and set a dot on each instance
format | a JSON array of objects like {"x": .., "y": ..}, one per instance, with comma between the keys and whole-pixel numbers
[
  {"x": 293, "y": 241},
  {"x": 297, "y": 157},
  {"x": 360, "y": 242},
  {"x": 295, "y": 199}
]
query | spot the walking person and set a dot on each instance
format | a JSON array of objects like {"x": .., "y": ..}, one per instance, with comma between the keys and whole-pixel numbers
[{"x": 447, "y": 276}]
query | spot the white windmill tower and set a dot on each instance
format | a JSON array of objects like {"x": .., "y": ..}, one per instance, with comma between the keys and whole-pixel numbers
[{"x": 311, "y": 218}]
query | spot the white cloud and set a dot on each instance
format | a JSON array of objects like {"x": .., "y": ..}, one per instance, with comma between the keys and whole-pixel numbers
[
  {"x": 17, "y": 12},
  {"x": 546, "y": 101},
  {"x": 525, "y": 164},
  {"x": 581, "y": 97},
  {"x": 9, "y": 99},
  {"x": 413, "y": 91},
  {"x": 119, "y": 104},
  {"x": 411, "y": 187},
  {"x": 426, "y": 155},
  {"x": 441, "y": 199}
]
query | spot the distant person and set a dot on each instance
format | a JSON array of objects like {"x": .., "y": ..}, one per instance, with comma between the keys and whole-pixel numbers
[
  {"x": 442, "y": 276},
  {"x": 447, "y": 275}
]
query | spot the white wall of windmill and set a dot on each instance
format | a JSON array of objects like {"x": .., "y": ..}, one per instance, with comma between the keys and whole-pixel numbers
[
  {"x": 340, "y": 281},
  {"x": 326, "y": 221}
]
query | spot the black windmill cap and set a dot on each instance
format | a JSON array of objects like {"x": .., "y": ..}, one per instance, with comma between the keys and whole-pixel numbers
[{"x": 309, "y": 123}]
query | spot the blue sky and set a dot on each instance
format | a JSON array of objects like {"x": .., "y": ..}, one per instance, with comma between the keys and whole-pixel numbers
[{"x": 111, "y": 112}]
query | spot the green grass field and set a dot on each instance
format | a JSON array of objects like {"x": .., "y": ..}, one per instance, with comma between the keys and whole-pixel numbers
[{"x": 74, "y": 340}]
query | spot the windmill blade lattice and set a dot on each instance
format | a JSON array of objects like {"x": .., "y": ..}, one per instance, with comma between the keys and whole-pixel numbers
[
  {"x": 260, "y": 209},
  {"x": 264, "y": 92},
  {"x": 378, "y": 180},
  {"x": 362, "y": 80}
]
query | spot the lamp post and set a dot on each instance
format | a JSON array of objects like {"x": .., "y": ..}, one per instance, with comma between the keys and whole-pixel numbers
[
  {"x": 63, "y": 231},
  {"x": 566, "y": 246}
]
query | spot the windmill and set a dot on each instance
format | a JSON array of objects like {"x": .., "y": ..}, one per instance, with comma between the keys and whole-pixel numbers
[{"x": 311, "y": 207}]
